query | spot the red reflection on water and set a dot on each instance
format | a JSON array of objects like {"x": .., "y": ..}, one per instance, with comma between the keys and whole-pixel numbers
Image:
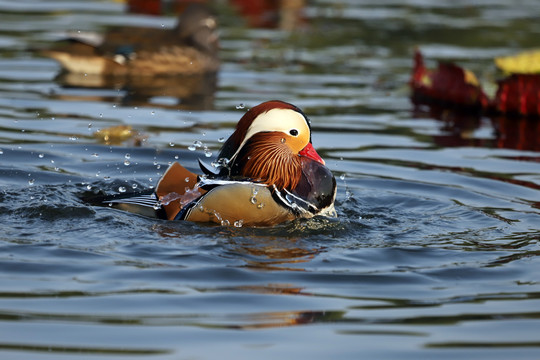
[
  {"x": 517, "y": 133},
  {"x": 458, "y": 127}
]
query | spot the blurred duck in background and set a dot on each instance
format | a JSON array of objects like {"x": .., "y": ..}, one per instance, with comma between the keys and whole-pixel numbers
[
  {"x": 191, "y": 47},
  {"x": 179, "y": 63}
]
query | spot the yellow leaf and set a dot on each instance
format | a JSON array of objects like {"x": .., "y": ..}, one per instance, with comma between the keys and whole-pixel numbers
[
  {"x": 524, "y": 63},
  {"x": 426, "y": 81},
  {"x": 470, "y": 78},
  {"x": 114, "y": 134}
]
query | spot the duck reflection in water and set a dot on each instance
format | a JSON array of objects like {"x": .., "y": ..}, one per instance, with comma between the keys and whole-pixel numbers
[
  {"x": 179, "y": 63},
  {"x": 264, "y": 249}
]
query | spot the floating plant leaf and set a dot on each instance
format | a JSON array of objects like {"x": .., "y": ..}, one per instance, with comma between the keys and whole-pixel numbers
[
  {"x": 527, "y": 62},
  {"x": 448, "y": 84}
]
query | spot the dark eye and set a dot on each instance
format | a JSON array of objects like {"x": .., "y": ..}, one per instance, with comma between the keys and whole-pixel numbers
[{"x": 293, "y": 132}]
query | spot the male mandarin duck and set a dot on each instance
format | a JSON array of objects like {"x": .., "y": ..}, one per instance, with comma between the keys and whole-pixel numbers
[
  {"x": 191, "y": 47},
  {"x": 268, "y": 173}
]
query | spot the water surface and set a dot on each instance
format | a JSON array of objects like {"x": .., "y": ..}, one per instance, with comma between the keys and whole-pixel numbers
[{"x": 435, "y": 251}]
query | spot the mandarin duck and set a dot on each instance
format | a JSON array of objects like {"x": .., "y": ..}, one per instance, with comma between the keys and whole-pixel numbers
[
  {"x": 191, "y": 47},
  {"x": 267, "y": 173}
]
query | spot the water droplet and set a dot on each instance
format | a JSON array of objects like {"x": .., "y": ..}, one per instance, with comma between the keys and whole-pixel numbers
[
  {"x": 253, "y": 200},
  {"x": 134, "y": 186},
  {"x": 152, "y": 113},
  {"x": 1, "y": 151},
  {"x": 208, "y": 153},
  {"x": 127, "y": 156},
  {"x": 240, "y": 106},
  {"x": 162, "y": 25},
  {"x": 221, "y": 139},
  {"x": 254, "y": 191},
  {"x": 176, "y": 157},
  {"x": 41, "y": 156},
  {"x": 31, "y": 181},
  {"x": 186, "y": 179},
  {"x": 157, "y": 206},
  {"x": 225, "y": 223},
  {"x": 260, "y": 206},
  {"x": 127, "y": 162},
  {"x": 88, "y": 187},
  {"x": 283, "y": 140},
  {"x": 171, "y": 144},
  {"x": 107, "y": 178},
  {"x": 122, "y": 189},
  {"x": 73, "y": 138},
  {"x": 342, "y": 176},
  {"x": 198, "y": 143},
  {"x": 239, "y": 223},
  {"x": 191, "y": 147},
  {"x": 95, "y": 155},
  {"x": 158, "y": 166}
]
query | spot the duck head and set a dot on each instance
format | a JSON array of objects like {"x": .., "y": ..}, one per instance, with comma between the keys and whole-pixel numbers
[
  {"x": 271, "y": 144},
  {"x": 197, "y": 27}
]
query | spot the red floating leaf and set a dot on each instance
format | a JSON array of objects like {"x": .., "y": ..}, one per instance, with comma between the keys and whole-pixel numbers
[
  {"x": 448, "y": 84},
  {"x": 518, "y": 94}
]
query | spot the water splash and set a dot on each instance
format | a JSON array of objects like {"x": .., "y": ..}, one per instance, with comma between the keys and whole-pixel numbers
[{"x": 238, "y": 223}]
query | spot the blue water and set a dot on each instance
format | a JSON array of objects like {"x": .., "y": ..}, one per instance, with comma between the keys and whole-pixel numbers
[{"x": 435, "y": 253}]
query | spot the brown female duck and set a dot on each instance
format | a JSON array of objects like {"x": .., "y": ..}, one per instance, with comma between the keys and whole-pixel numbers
[{"x": 191, "y": 47}]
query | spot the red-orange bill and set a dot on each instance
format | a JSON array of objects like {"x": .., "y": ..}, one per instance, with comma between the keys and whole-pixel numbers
[{"x": 309, "y": 151}]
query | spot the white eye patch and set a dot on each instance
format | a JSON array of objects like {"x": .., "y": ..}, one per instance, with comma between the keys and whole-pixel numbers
[{"x": 286, "y": 121}]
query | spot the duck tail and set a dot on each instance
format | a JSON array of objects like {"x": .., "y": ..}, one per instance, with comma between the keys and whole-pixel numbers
[{"x": 144, "y": 203}]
